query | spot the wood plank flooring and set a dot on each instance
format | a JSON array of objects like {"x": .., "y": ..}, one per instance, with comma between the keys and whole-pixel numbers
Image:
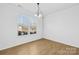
[{"x": 41, "y": 47}]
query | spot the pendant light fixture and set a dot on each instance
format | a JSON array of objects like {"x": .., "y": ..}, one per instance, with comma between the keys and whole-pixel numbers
[{"x": 38, "y": 12}]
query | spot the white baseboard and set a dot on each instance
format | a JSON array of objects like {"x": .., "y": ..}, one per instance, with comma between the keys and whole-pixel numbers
[{"x": 60, "y": 41}]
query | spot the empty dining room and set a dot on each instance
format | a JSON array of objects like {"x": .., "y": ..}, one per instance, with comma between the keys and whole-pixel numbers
[{"x": 39, "y": 28}]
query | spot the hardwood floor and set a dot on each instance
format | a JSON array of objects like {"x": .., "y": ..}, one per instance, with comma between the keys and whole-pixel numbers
[{"x": 41, "y": 47}]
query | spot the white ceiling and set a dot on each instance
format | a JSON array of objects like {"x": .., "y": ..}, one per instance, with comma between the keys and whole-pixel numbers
[{"x": 47, "y": 8}]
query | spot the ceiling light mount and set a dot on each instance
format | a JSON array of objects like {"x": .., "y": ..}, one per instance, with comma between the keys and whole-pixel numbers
[{"x": 37, "y": 3}]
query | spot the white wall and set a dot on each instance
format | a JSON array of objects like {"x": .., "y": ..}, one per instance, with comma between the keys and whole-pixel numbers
[
  {"x": 8, "y": 26},
  {"x": 63, "y": 26}
]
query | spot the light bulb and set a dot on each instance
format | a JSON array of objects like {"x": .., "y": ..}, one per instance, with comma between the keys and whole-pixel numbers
[
  {"x": 40, "y": 15},
  {"x": 20, "y": 27}
]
